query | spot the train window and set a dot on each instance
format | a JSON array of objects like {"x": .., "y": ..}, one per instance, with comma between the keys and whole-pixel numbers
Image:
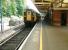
[
  {"x": 24, "y": 13},
  {"x": 29, "y": 13}
]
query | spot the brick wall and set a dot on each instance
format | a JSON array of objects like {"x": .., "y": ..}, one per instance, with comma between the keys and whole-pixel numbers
[{"x": 56, "y": 17}]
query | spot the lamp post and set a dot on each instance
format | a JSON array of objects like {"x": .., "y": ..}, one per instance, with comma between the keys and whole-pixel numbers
[{"x": 1, "y": 16}]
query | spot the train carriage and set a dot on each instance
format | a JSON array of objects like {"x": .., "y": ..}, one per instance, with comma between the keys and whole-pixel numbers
[{"x": 30, "y": 17}]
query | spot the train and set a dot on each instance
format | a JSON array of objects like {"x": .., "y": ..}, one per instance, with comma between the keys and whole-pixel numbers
[{"x": 30, "y": 17}]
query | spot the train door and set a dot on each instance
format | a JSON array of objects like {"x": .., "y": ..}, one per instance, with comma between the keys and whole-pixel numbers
[
  {"x": 63, "y": 18},
  {"x": 24, "y": 16}
]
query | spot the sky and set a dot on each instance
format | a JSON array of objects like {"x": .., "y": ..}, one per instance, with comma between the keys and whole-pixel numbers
[{"x": 31, "y": 5}]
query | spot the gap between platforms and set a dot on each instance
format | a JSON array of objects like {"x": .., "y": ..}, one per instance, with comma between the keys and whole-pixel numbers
[{"x": 13, "y": 33}]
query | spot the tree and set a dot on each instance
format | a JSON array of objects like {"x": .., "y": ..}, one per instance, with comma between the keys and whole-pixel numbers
[
  {"x": 19, "y": 6},
  {"x": 13, "y": 7},
  {"x": 4, "y": 7}
]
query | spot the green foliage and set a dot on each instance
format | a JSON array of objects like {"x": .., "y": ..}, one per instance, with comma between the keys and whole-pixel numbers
[
  {"x": 4, "y": 7},
  {"x": 20, "y": 8},
  {"x": 4, "y": 11},
  {"x": 12, "y": 7},
  {"x": 8, "y": 13}
]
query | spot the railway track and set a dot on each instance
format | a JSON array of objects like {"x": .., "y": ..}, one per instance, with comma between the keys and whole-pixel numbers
[{"x": 15, "y": 42}]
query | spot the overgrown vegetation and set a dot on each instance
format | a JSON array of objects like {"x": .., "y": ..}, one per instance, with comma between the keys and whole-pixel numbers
[{"x": 12, "y": 7}]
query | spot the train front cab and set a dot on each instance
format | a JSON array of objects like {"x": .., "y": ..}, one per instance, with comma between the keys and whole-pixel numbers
[{"x": 30, "y": 18}]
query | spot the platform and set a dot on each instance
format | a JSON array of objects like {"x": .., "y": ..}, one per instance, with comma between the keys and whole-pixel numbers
[{"x": 54, "y": 38}]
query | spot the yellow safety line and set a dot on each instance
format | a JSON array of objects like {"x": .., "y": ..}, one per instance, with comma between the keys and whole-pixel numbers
[{"x": 41, "y": 38}]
